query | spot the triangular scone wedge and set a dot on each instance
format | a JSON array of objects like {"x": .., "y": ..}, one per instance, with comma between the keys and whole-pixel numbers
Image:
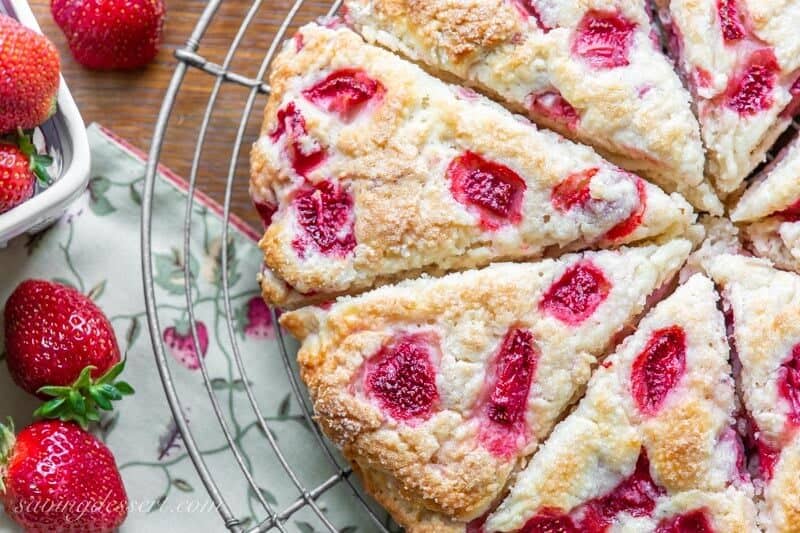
[
  {"x": 765, "y": 311},
  {"x": 769, "y": 211},
  {"x": 740, "y": 59},
  {"x": 379, "y": 171},
  {"x": 445, "y": 385},
  {"x": 590, "y": 70},
  {"x": 651, "y": 447}
]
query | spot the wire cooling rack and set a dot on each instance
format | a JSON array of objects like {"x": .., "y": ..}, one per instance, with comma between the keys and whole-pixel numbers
[{"x": 222, "y": 73}]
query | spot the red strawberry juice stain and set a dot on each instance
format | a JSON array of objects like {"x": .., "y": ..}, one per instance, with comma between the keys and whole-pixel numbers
[
  {"x": 550, "y": 520},
  {"x": 789, "y": 385},
  {"x": 791, "y": 213},
  {"x": 658, "y": 368},
  {"x": 493, "y": 190},
  {"x": 305, "y": 154},
  {"x": 325, "y": 213},
  {"x": 695, "y": 521},
  {"x": 266, "y": 210},
  {"x": 634, "y": 220},
  {"x": 503, "y": 428},
  {"x": 603, "y": 39},
  {"x": 551, "y": 105},
  {"x": 401, "y": 378},
  {"x": 635, "y": 495},
  {"x": 577, "y": 294},
  {"x": 527, "y": 8},
  {"x": 757, "y": 446},
  {"x": 345, "y": 92}
]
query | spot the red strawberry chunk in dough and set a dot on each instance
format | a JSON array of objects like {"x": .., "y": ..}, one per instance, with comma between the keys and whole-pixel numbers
[
  {"x": 629, "y": 225},
  {"x": 749, "y": 92},
  {"x": 510, "y": 381},
  {"x": 266, "y": 211},
  {"x": 325, "y": 213},
  {"x": 636, "y": 495},
  {"x": 551, "y": 105},
  {"x": 791, "y": 213},
  {"x": 304, "y": 152},
  {"x": 494, "y": 190},
  {"x": 528, "y": 9},
  {"x": 402, "y": 379},
  {"x": 658, "y": 368},
  {"x": 789, "y": 384},
  {"x": 573, "y": 191},
  {"x": 550, "y": 521},
  {"x": 345, "y": 92},
  {"x": 577, "y": 294},
  {"x": 603, "y": 39},
  {"x": 731, "y": 21},
  {"x": 692, "y": 522}
]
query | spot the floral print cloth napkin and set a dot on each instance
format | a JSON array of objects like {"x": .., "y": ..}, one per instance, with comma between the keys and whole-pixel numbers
[{"x": 95, "y": 247}]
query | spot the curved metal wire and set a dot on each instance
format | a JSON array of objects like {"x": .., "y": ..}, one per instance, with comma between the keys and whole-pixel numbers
[{"x": 189, "y": 58}]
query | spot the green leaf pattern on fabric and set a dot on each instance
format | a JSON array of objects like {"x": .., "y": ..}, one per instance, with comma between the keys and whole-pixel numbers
[{"x": 95, "y": 248}]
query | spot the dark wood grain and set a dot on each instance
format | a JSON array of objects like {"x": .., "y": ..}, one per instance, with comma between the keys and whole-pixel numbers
[{"x": 129, "y": 102}]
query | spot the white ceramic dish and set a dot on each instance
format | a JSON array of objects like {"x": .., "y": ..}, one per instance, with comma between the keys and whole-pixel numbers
[{"x": 64, "y": 138}]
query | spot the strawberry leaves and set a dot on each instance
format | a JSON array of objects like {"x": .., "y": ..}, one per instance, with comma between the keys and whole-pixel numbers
[
  {"x": 38, "y": 162},
  {"x": 80, "y": 401}
]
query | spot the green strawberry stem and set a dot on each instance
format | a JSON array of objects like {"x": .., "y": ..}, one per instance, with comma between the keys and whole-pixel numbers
[
  {"x": 7, "y": 440},
  {"x": 80, "y": 401},
  {"x": 38, "y": 162}
]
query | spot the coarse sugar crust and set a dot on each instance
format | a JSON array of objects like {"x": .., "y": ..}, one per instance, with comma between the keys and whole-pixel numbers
[
  {"x": 638, "y": 114},
  {"x": 439, "y": 472},
  {"x": 392, "y": 160}
]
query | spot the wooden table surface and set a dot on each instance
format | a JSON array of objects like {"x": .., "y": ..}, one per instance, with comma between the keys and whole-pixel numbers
[{"x": 128, "y": 102}]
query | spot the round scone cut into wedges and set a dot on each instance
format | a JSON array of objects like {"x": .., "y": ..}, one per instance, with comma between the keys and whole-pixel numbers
[
  {"x": 740, "y": 58},
  {"x": 438, "y": 389},
  {"x": 652, "y": 446},
  {"x": 764, "y": 305},
  {"x": 769, "y": 210},
  {"x": 368, "y": 170},
  {"x": 591, "y": 70}
]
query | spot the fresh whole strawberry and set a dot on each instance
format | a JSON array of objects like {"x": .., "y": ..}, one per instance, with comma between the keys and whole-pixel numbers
[
  {"x": 57, "y": 478},
  {"x": 59, "y": 344},
  {"x": 29, "y": 77},
  {"x": 111, "y": 34},
  {"x": 20, "y": 168}
]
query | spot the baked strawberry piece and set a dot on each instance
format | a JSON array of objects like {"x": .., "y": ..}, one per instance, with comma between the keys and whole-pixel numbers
[
  {"x": 769, "y": 211},
  {"x": 764, "y": 305},
  {"x": 590, "y": 71},
  {"x": 437, "y": 389},
  {"x": 651, "y": 446},
  {"x": 368, "y": 171},
  {"x": 740, "y": 60}
]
